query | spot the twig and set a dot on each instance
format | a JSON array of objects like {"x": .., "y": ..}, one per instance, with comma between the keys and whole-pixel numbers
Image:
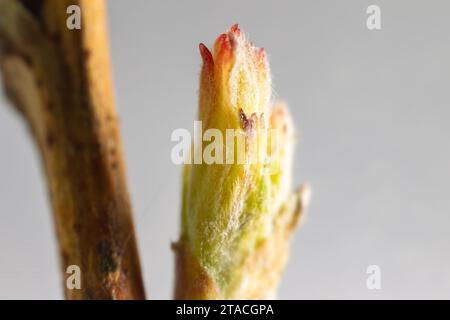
[{"x": 60, "y": 80}]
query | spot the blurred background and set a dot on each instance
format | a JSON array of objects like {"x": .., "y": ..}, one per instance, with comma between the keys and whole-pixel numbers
[{"x": 371, "y": 109}]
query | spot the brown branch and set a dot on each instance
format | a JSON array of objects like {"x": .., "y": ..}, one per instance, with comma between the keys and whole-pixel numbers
[{"x": 60, "y": 80}]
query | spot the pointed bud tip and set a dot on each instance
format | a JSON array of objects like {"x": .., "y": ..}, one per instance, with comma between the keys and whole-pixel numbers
[
  {"x": 205, "y": 53},
  {"x": 261, "y": 53},
  {"x": 224, "y": 48},
  {"x": 224, "y": 41},
  {"x": 235, "y": 29}
]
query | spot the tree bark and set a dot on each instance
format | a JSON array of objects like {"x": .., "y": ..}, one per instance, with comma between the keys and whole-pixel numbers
[{"x": 60, "y": 80}]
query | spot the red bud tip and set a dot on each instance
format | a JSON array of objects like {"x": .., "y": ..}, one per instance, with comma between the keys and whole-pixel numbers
[
  {"x": 261, "y": 53},
  {"x": 235, "y": 29},
  {"x": 223, "y": 41},
  {"x": 205, "y": 53}
]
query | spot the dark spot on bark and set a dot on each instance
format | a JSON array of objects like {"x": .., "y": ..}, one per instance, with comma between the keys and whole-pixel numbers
[
  {"x": 77, "y": 147},
  {"x": 50, "y": 139},
  {"x": 86, "y": 54},
  {"x": 56, "y": 37},
  {"x": 49, "y": 107},
  {"x": 107, "y": 258},
  {"x": 27, "y": 59},
  {"x": 114, "y": 165},
  {"x": 78, "y": 227},
  {"x": 65, "y": 259},
  {"x": 34, "y": 7}
]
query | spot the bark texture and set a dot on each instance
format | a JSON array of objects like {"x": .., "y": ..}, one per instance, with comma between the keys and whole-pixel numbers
[{"x": 60, "y": 81}]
